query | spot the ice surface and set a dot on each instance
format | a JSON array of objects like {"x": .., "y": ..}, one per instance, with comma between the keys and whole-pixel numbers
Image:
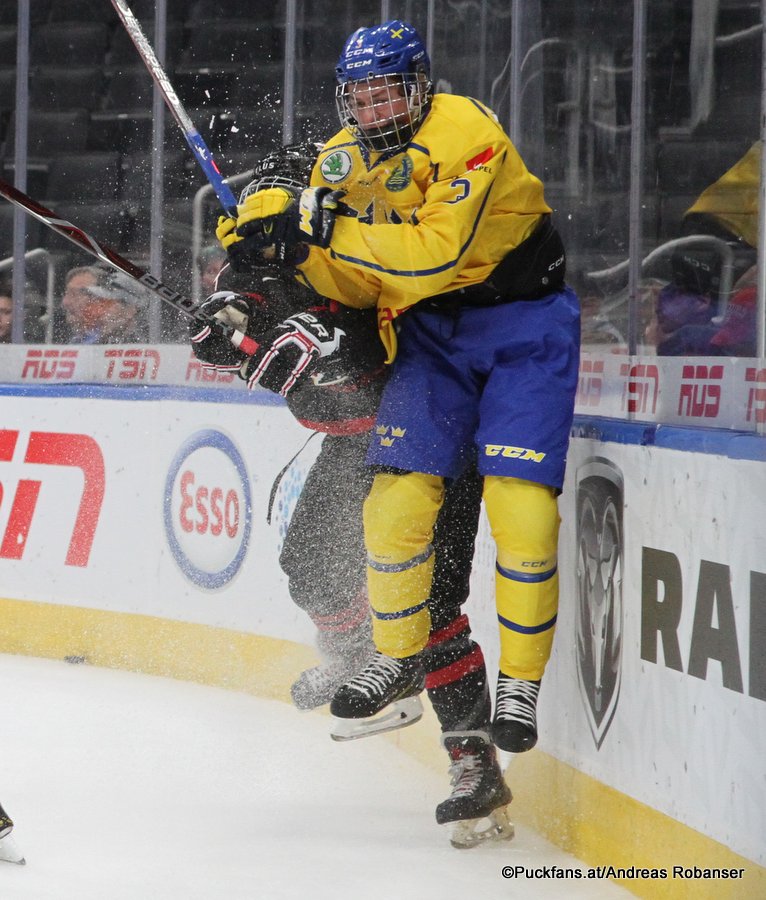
[{"x": 133, "y": 787}]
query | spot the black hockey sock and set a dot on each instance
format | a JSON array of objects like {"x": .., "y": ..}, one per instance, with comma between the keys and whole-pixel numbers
[{"x": 456, "y": 679}]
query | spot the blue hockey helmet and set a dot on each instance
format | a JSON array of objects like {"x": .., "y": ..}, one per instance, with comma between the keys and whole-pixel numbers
[
  {"x": 379, "y": 67},
  {"x": 394, "y": 48}
]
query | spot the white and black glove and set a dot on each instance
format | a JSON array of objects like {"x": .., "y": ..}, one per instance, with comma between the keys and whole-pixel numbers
[
  {"x": 287, "y": 352},
  {"x": 212, "y": 348}
]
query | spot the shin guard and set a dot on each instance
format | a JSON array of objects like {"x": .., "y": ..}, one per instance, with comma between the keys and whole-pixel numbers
[
  {"x": 525, "y": 523},
  {"x": 399, "y": 516}
]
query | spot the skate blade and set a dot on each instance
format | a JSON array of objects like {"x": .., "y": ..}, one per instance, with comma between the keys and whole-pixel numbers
[
  {"x": 9, "y": 852},
  {"x": 396, "y": 715},
  {"x": 467, "y": 834}
]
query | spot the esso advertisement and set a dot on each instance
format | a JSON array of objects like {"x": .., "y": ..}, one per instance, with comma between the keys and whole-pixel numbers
[{"x": 208, "y": 509}]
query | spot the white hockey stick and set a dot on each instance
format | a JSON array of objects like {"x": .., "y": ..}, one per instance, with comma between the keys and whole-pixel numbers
[{"x": 195, "y": 141}]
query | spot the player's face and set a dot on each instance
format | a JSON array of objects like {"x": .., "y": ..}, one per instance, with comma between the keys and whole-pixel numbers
[
  {"x": 77, "y": 299},
  {"x": 377, "y": 102}
]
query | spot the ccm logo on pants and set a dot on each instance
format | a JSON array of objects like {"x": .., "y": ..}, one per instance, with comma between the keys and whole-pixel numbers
[{"x": 515, "y": 452}]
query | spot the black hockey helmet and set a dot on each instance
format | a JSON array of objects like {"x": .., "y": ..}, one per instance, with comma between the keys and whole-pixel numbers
[{"x": 290, "y": 166}]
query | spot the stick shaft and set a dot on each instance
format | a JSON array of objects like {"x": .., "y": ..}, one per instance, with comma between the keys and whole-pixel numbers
[
  {"x": 194, "y": 139},
  {"x": 106, "y": 254}
]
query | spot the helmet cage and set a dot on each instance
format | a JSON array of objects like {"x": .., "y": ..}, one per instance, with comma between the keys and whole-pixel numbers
[
  {"x": 290, "y": 167},
  {"x": 389, "y": 131}
]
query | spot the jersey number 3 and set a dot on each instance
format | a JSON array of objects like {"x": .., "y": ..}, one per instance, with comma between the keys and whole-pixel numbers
[{"x": 464, "y": 186}]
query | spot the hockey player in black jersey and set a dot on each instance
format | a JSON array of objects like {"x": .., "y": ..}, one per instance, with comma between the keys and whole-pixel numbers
[{"x": 326, "y": 360}]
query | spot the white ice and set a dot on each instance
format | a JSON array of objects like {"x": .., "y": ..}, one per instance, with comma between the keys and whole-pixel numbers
[{"x": 132, "y": 787}]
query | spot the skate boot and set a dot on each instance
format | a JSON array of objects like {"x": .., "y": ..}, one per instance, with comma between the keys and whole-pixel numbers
[
  {"x": 6, "y": 823},
  {"x": 343, "y": 656},
  {"x": 9, "y": 852},
  {"x": 479, "y": 791},
  {"x": 384, "y": 682},
  {"x": 316, "y": 686},
  {"x": 515, "y": 724}
]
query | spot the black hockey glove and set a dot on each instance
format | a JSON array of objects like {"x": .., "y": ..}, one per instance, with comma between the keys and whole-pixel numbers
[
  {"x": 282, "y": 218},
  {"x": 288, "y": 351},
  {"x": 212, "y": 348}
]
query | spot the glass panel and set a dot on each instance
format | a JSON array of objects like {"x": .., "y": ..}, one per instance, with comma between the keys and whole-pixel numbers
[
  {"x": 323, "y": 28},
  {"x": 702, "y": 177},
  {"x": 559, "y": 79},
  {"x": 581, "y": 147}
]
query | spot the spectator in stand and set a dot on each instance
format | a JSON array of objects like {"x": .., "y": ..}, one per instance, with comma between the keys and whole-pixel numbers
[
  {"x": 34, "y": 319},
  {"x": 683, "y": 321},
  {"x": 736, "y": 334},
  {"x": 210, "y": 262},
  {"x": 103, "y": 306},
  {"x": 6, "y": 313}
]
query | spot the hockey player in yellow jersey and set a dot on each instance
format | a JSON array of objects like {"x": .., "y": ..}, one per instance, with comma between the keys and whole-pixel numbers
[{"x": 420, "y": 205}]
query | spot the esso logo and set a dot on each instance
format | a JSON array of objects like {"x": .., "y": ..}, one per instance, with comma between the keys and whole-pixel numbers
[{"x": 207, "y": 509}]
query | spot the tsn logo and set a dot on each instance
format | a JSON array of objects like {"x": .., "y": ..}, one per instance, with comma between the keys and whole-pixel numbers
[
  {"x": 74, "y": 451},
  {"x": 132, "y": 364},
  {"x": 641, "y": 388}
]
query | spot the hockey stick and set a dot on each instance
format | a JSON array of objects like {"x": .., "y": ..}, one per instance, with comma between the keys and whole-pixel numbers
[
  {"x": 101, "y": 251},
  {"x": 195, "y": 141}
]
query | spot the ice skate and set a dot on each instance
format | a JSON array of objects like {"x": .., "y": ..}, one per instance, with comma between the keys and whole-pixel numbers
[
  {"x": 344, "y": 653},
  {"x": 382, "y": 697},
  {"x": 476, "y": 809},
  {"x": 9, "y": 852},
  {"x": 316, "y": 686},
  {"x": 6, "y": 823},
  {"x": 515, "y": 724}
]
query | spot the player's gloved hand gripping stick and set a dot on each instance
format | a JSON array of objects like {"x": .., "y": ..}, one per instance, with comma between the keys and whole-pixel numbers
[{"x": 101, "y": 251}]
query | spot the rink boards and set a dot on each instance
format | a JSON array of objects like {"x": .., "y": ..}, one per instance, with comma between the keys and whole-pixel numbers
[{"x": 133, "y": 533}]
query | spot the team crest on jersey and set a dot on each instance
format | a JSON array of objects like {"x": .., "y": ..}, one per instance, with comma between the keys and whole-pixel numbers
[
  {"x": 336, "y": 166},
  {"x": 401, "y": 176}
]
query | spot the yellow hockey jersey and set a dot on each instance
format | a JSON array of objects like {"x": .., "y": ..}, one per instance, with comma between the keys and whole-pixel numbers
[{"x": 434, "y": 217}]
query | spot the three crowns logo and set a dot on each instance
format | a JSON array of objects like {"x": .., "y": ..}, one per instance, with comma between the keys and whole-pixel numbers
[{"x": 389, "y": 434}]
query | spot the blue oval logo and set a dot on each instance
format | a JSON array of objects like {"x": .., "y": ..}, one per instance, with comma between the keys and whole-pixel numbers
[{"x": 208, "y": 509}]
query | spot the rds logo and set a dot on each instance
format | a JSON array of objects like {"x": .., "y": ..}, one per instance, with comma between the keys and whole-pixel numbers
[{"x": 207, "y": 509}]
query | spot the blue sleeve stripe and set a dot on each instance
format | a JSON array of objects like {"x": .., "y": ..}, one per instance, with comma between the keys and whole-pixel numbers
[
  {"x": 416, "y": 273},
  {"x": 480, "y": 107},
  {"x": 526, "y": 629},
  {"x": 527, "y": 577},
  {"x": 424, "y": 150}
]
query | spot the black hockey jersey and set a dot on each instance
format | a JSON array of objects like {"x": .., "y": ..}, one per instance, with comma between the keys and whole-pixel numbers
[{"x": 340, "y": 393}]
